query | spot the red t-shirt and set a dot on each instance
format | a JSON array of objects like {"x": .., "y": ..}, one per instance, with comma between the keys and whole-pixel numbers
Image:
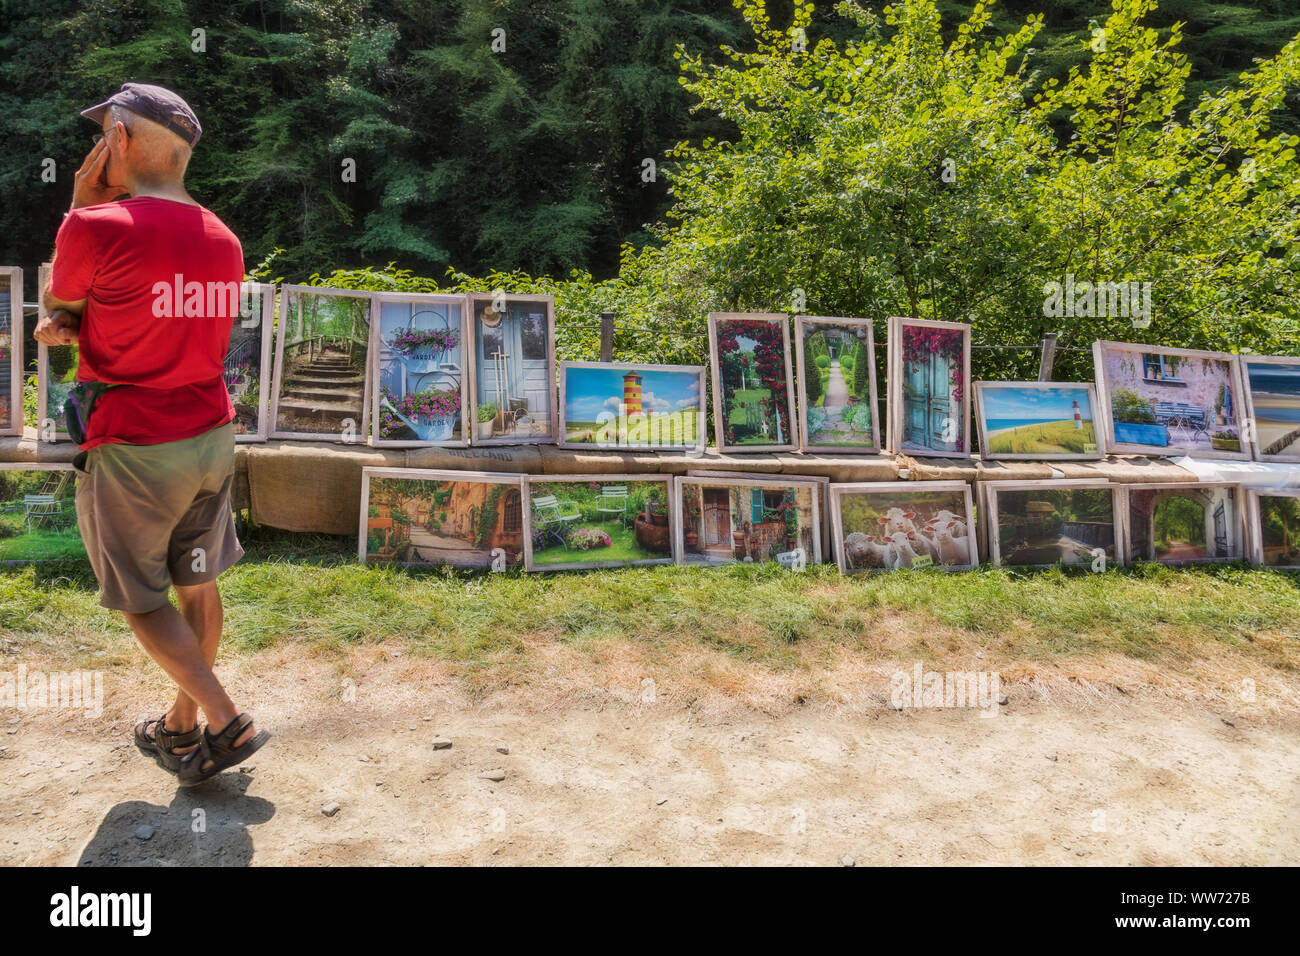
[{"x": 156, "y": 275}]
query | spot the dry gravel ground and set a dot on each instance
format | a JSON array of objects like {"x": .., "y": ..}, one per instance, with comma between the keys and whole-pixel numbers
[{"x": 619, "y": 770}]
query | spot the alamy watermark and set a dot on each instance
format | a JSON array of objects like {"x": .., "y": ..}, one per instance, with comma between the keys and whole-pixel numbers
[
  {"x": 1126, "y": 300},
  {"x": 922, "y": 688},
  {"x": 25, "y": 689}
]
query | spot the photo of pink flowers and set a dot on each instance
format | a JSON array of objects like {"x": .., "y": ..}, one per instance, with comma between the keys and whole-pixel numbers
[{"x": 419, "y": 370}]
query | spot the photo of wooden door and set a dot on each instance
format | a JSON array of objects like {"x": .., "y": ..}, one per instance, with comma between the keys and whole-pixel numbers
[
  {"x": 927, "y": 405},
  {"x": 522, "y": 374},
  {"x": 715, "y": 518}
]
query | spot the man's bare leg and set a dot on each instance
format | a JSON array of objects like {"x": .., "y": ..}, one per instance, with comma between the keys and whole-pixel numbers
[{"x": 173, "y": 643}]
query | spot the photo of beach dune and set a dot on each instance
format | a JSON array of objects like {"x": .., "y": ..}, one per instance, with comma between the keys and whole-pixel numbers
[
  {"x": 1275, "y": 398},
  {"x": 1036, "y": 420}
]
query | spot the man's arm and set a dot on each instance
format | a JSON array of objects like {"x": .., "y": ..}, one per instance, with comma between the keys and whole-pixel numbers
[{"x": 61, "y": 322}]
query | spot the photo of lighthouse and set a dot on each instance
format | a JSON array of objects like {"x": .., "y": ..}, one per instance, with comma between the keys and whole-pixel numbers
[
  {"x": 1036, "y": 420},
  {"x": 616, "y": 405}
]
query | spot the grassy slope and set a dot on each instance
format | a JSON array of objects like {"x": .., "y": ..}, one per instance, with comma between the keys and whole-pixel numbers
[
  {"x": 322, "y": 601},
  {"x": 1049, "y": 438}
]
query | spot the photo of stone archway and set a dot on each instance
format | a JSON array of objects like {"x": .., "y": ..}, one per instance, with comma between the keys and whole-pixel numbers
[{"x": 1183, "y": 524}]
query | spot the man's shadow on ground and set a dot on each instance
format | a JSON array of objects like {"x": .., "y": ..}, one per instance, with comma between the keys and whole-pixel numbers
[{"x": 202, "y": 826}]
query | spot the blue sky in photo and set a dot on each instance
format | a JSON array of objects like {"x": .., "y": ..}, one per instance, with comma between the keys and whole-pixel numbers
[
  {"x": 1035, "y": 404},
  {"x": 590, "y": 391}
]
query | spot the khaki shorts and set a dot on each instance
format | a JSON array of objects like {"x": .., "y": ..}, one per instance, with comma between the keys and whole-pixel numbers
[{"x": 157, "y": 515}]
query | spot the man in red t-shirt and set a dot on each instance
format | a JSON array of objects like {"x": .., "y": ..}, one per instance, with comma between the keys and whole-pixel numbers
[{"x": 147, "y": 287}]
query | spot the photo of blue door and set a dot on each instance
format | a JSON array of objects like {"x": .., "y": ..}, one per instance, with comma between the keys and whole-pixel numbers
[{"x": 928, "y": 417}]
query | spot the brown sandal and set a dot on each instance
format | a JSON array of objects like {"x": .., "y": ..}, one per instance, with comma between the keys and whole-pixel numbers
[
  {"x": 163, "y": 744},
  {"x": 217, "y": 753}
]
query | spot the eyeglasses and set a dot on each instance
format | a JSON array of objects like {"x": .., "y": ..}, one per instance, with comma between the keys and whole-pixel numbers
[{"x": 99, "y": 137}]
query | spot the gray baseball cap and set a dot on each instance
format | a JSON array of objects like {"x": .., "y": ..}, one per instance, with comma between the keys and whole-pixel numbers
[{"x": 155, "y": 103}]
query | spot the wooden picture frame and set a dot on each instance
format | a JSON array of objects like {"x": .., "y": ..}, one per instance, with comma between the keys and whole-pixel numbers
[
  {"x": 505, "y": 375},
  {"x": 446, "y": 370},
  {"x": 804, "y": 327},
  {"x": 1284, "y": 447},
  {"x": 12, "y": 334},
  {"x": 983, "y": 398},
  {"x": 936, "y": 550},
  {"x": 456, "y": 549},
  {"x": 725, "y": 551},
  {"x": 902, "y": 420},
  {"x": 716, "y": 322},
  {"x": 336, "y": 373},
  {"x": 1082, "y": 555},
  {"x": 266, "y": 295},
  {"x": 1232, "y": 527},
  {"x": 1258, "y": 548},
  {"x": 647, "y": 378},
  {"x": 647, "y": 533},
  {"x": 1172, "y": 403},
  {"x": 49, "y": 506}
]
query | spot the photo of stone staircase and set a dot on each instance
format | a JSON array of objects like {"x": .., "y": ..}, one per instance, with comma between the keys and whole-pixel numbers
[{"x": 322, "y": 383}]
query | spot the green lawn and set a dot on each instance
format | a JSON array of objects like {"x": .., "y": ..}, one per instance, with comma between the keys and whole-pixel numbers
[
  {"x": 309, "y": 591},
  {"x": 42, "y": 544},
  {"x": 622, "y": 547},
  {"x": 674, "y": 428}
]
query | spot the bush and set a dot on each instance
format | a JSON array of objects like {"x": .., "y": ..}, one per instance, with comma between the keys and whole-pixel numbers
[
  {"x": 584, "y": 539},
  {"x": 823, "y": 361},
  {"x": 1131, "y": 408}
]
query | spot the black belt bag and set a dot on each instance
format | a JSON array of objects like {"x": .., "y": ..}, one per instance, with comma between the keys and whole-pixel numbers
[{"x": 80, "y": 403}]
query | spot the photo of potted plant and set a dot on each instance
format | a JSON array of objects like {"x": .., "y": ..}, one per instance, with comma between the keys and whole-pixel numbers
[
  {"x": 424, "y": 349},
  {"x": 1135, "y": 420},
  {"x": 487, "y": 413},
  {"x": 431, "y": 414}
]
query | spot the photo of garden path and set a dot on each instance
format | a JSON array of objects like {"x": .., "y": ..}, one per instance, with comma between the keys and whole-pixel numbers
[
  {"x": 633, "y": 407},
  {"x": 1279, "y": 519},
  {"x": 462, "y": 523},
  {"x": 1275, "y": 398},
  {"x": 1174, "y": 525},
  {"x": 420, "y": 369},
  {"x": 1055, "y": 525},
  {"x": 599, "y": 523},
  {"x": 323, "y": 378},
  {"x": 38, "y": 517},
  {"x": 888, "y": 530},
  {"x": 754, "y": 381},
  {"x": 1160, "y": 400},
  {"x": 837, "y": 384},
  {"x": 1038, "y": 421}
]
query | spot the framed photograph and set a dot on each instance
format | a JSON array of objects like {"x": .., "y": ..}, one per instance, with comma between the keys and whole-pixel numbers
[
  {"x": 422, "y": 517},
  {"x": 11, "y": 350},
  {"x": 1272, "y": 386},
  {"x": 836, "y": 359},
  {"x": 512, "y": 376},
  {"x": 38, "y": 513},
  {"x": 419, "y": 346},
  {"x": 723, "y": 520},
  {"x": 885, "y": 526},
  {"x": 248, "y": 361},
  {"x": 619, "y": 406},
  {"x": 321, "y": 364},
  {"x": 1069, "y": 521},
  {"x": 929, "y": 388},
  {"x": 1163, "y": 401},
  {"x": 597, "y": 521},
  {"x": 1037, "y": 420},
  {"x": 1182, "y": 523},
  {"x": 819, "y": 482},
  {"x": 753, "y": 391},
  {"x": 56, "y": 373},
  {"x": 1273, "y": 516}
]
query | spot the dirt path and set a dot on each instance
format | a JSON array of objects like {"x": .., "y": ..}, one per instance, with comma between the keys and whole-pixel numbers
[{"x": 623, "y": 774}]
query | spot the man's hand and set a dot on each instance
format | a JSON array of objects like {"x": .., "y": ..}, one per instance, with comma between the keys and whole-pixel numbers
[
  {"x": 60, "y": 327},
  {"x": 89, "y": 187}
]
